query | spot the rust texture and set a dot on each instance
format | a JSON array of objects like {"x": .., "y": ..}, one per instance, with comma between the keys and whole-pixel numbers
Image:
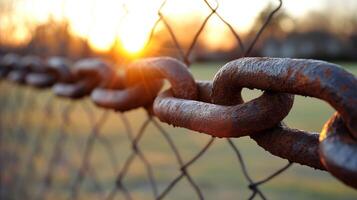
[
  {"x": 143, "y": 81},
  {"x": 204, "y": 90},
  {"x": 60, "y": 68},
  {"x": 313, "y": 78},
  {"x": 94, "y": 68},
  {"x": 294, "y": 145},
  {"x": 122, "y": 94},
  {"x": 31, "y": 63},
  {"x": 40, "y": 75},
  {"x": 24, "y": 66},
  {"x": 74, "y": 90},
  {"x": 40, "y": 80},
  {"x": 124, "y": 98},
  {"x": 179, "y": 108},
  {"x": 338, "y": 150},
  {"x": 146, "y": 70},
  {"x": 17, "y": 76},
  {"x": 223, "y": 121},
  {"x": 7, "y": 63},
  {"x": 89, "y": 73}
]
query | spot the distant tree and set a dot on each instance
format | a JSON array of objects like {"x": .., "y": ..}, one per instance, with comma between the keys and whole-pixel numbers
[{"x": 54, "y": 38}]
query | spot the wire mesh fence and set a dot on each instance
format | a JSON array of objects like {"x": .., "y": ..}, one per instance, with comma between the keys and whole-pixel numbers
[
  {"x": 69, "y": 148},
  {"x": 53, "y": 155}
]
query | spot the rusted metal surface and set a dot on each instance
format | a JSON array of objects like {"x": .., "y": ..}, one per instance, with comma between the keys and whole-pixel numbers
[
  {"x": 223, "y": 121},
  {"x": 116, "y": 81},
  {"x": 204, "y": 91},
  {"x": 17, "y": 76},
  {"x": 9, "y": 60},
  {"x": 88, "y": 73},
  {"x": 143, "y": 81},
  {"x": 94, "y": 68},
  {"x": 126, "y": 98},
  {"x": 338, "y": 151},
  {"x": 40, "y": 75},
  {"x": 7, "y": 63},
  {"x": 146, "y": 70},
  {"x": 25, "y": 65},
  {"x": 313, "y": 78},
  {"x": 61, "y": 69},
  {"x": 3, "y": 73},
  {"x": 74, "y": 90},
  {"x": 116, "y": 95},
  {"x": 40, "y": 80},
  {"x": 292, "y": 144}
]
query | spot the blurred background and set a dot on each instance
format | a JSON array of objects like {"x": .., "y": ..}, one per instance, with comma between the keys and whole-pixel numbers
[
  {"x": 324, "y": 29},
  {"x": 125, "y": 30}
]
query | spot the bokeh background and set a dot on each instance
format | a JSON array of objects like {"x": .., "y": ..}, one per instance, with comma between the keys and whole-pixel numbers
[
  {"x": 123, "y": 31},
  {"x": 324, "y": 29}
]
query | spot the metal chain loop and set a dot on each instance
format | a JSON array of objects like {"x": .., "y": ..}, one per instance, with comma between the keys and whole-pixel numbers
[
  {"x": 60, "y": 68},
  {"x": 120, "y": 97},
  {"x": 145, "y": 70},
  {"x": 7, "y": 63},
  {"x": 223, "y": 121},
  {"x": 40, "y": 76},
  {"x": 88, "y": 73},
  {"x": 20, "y": 70},
  {"x": 313, "y": 78},
  {"x": 338, "y": 150}
]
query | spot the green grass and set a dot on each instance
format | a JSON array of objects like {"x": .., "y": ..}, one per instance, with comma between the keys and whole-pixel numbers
[{"x": 217, "y": 172}]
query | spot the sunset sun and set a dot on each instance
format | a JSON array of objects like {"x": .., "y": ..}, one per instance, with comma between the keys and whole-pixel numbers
[
  {"x": 127, "y": 22},
  {"x": 134, "y": 31}
]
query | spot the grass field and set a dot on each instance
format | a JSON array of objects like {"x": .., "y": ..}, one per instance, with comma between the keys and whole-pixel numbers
[{"x": 217, "y": 172}]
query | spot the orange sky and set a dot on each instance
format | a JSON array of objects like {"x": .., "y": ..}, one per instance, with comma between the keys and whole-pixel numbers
[{"x": 130, "y": 21}]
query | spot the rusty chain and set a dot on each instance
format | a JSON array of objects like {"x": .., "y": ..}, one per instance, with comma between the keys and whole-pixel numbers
[
  {"x": 225, "y": 114},
  {"x": 211, "y": 107}
]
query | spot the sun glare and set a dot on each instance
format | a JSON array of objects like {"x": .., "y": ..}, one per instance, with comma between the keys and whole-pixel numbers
[
  {"x": 102, "y": 22},
  {"x": 133, "y": 43},
  {"x": 134, "y": 32},
  {"x": 111, "y": 21},
  {"x": 135, "y": 27}
]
